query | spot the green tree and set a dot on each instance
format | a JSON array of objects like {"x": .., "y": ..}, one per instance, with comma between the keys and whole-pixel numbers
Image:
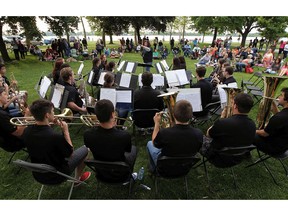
[
  {"x": 272, "y": 28},
  {"x": 242, "y": 25},
  {"x": 16, "y": 25},
  {"x": 216, "y": 25},
  {"x": 181, "y": 24},
  {"x": 62, "y": 25}
]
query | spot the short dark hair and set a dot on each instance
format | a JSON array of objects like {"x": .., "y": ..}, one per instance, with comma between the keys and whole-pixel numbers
[
  {"x": 183, "y": 111},
  {"x": 2, "y": 65},
  {"x": 65, "y": 73},
  {"x": 147, "y": 78},
  {"x": 244, "y": 102},
  {"x": 39, "y": 108},
  {"x": 201, "y": 71},
  {"x": 229, "y": 70},
  {"x": 110, "y": 66},
  {"x": 285, "y": 91},
  {"x": 64, "y": 65},
  {"x": 108, "y": 79},
  {"x": 103, "y": 110},
  {"x": 2, "y": 89}
]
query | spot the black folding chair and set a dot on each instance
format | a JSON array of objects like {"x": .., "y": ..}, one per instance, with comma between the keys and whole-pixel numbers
[
  {"x": 112, "y": 173},
  {"x": 227, "y": 157},
  {"x": 174, "y": 167},
  {"x": 47, "y": 171},
  {"x": 143, "y": 119},
  {"x": 280, "y": 157}
]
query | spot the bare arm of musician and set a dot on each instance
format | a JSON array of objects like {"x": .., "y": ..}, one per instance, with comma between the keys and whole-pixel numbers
[
  {"x": 65, "y": 130},
  {"x": 207, "y": 133},
  {"x": 157, "y": 119},
  {"x": 262, "y": 133},
  {"x": 274, "y": 107},
  {"x": 74, "y": 107}
]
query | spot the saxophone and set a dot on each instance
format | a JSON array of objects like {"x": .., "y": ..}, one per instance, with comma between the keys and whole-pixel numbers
[
  {"x": 271, "y": 84},
  {"x": 167, "y": 118}
]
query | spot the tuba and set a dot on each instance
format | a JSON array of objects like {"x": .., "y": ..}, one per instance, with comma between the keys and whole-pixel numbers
[
  {"x": 231, "y": 93},
  {"x": 271, "y": 83},
  {"x": 167, "y": 118}
]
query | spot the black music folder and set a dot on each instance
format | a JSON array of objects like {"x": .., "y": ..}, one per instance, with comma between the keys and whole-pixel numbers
[{"x": 126, "y": 80}]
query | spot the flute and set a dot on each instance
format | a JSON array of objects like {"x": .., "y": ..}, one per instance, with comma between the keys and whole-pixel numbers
[{"x": 270, "y": 98}]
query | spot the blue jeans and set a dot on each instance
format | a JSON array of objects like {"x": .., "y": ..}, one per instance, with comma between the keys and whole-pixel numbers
[
  {"x": 153, "y": 153},
  {"x": 148, "y": 68}
]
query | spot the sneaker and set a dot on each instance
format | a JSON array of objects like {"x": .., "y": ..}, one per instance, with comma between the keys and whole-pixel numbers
[{"x": 85, "y": 176}]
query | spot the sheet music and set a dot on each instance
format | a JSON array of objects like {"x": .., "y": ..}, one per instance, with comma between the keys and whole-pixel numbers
[
  {"x": 90, "y": 77},
  {"x": 182, "y": 76},
  {"x": 193, "y": 95},
  {"x": 222, "y": 94},
  {"x": 130, "y": 67},
  {"x": 125, "y": 80},
  {"x": 101, "y": 78},
  {"x": 124, "y": 96},
  {"x": 158, "y": 80},
  {"x": 165, "y": 65},
  {"x": 172, "y": 78},
  {"x": 109, "y": 94},
  {"x": 121, "y": 65},
  {"x": 57, "y": 95},
  {"x": 80, "y": 69},
  {"x": 233, "y": 85},
  {"x": 159, "y": 68},
  {"x": 45, "y": 83}
]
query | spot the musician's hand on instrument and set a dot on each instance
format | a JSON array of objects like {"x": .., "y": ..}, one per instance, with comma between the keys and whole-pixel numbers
[
  {"x": 157, "y": 118},
  {"x": 224, "y": 113}
]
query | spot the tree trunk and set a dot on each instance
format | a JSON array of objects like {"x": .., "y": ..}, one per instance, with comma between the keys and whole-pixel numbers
[
  {"x": 84, "y": 31},
  {"x": 203, "y": 37},
  {"x": 3, "y": 49},
  {"x": 183, "y": 32},
  {"x": 215, "y": 34},
  {"x": 137, "y": 29},
  {"x": 111, "y": 39},
  {"x": 103, "y": 38},
  {"x": 135, "y": 38},
  {"x": 68, "y": 37}
]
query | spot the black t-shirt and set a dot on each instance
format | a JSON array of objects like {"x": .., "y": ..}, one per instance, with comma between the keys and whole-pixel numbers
[
  {"x": 108, "y": 144},
  {"x": 146, "y": 98},
  {"x": 229, "y": 80},
  {"x": 147, "y": 56},
  {"x": 96, "y": 71},
  {"x": 277, "y": 128},
  {"x": 49, "y": 147},
  {"x": 206, "y": 89},
  {"x": 74, "y": 95},
  {"x": 6, "y": 80},
  {"x": 236, "y": 131},
  {"x": 10, "y": 143},
  {"x": 180, "y": 140}
]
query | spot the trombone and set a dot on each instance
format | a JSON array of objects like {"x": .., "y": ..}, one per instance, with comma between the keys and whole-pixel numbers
[
  {"x": 26, "y": 121},
  {"x": 92, "y": 121}
]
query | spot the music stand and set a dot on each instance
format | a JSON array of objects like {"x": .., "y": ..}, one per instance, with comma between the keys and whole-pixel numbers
[
  {"x": 176, "y": 77},
  {"x": 101, "y": 78},
  {"x": 59, "y": 96},
  {"x": 126, "y": 80},
  {"x": 121, "y": 98},
  {"x": 164, "y": 65},
  {"x": 144, "y": 65},
  {"x": 193, "y": 95},
  {"x": 130, "y": 67},
  {"x": 79, "y": 73},
  {"x": 121, "y": 65},
  {"x": 159, "y": 68},
  {"x": 44, "y": 86},
  {"x": 158, "y": 81}
]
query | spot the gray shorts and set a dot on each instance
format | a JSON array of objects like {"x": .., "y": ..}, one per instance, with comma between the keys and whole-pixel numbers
[{"x": 77, "y": 157}]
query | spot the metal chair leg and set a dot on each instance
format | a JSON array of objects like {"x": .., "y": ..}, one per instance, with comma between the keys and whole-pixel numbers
[
  {"x": 206, "y": 173},
  {"x": 156, "y": 186},
  {"x": 283, "y": 165},
  {"x": 40, "y": 192},
  {"x": 71, "y": 190},
  {"x": 11, "y": 157},
  {"x": 186, "y": 186},
  {"x": 234, "y": 179},
  {"x": 270, "y": 173}
]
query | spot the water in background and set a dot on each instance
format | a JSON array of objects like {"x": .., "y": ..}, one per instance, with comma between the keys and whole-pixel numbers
[{"x": 207, "y": 39}]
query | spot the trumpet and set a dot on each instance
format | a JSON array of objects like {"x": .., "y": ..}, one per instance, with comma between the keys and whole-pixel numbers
[{"x": 26, "y": 121}]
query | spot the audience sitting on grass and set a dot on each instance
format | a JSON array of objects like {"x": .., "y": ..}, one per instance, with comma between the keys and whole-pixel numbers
[{"x": 275, "y": 67}]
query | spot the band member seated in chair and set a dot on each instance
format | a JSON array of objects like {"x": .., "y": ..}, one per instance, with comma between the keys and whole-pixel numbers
[
  {"x": 105, "y": 141},
  {"x": 206, "y": 89},
  {"x": 180, "y": 140},
  {"x": 49, "y": 147},
  {"x": 235, "y": 131},
  {"x": 74, "y": 101},
  {"x": 146, "y": 97},
  {"x": 10, "y": 134},
  {"x": 273, "y": 139}
]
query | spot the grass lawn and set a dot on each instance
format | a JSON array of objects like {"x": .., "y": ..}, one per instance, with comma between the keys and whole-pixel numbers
[{"x": 254, "y": 182}]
